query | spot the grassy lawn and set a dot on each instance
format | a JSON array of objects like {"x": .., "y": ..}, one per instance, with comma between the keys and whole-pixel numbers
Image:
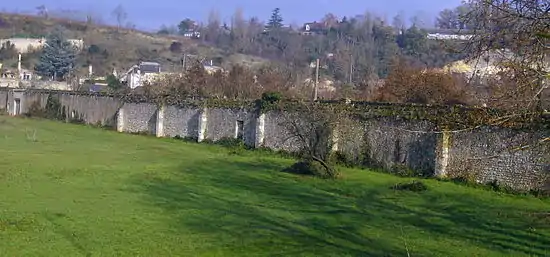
[{"x": 69, "y": 190}]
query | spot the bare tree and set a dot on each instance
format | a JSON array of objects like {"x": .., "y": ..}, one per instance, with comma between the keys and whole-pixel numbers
[
  {"x": 120, "y": 14},
  {"x": 515, "y": 35},
  {"x": 316, "y": 129},
  {"x": 212, "y": 29},
  {"x": 239, "y": 32}
]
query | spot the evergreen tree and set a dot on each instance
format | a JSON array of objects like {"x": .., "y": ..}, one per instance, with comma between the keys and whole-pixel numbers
[
  {"x": 58, "y": 56},
  {"x": 276, "y": 20}
]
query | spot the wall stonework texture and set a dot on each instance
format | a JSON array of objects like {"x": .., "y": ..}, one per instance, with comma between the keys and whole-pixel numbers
[
  {"x": 392, "y": 142},
  {"x": 222, "y": 123},
  {"x": 140, "y": 118},
  {"x": 181, "y": 122},
  {"x": 488, "y": 154},
  {"x": 484, "y": 154},
  {"x": 4, "y": 101},
  {"x": 277, "y": 136}
]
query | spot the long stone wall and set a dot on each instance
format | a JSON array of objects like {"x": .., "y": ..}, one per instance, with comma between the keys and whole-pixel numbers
[{"x": 485, "y": 154}]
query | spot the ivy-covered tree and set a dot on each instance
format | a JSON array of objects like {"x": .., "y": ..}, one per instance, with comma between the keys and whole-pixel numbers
[
  {"x": 58, "y": 56},
  {"x": 7, "y": 51},
  {"x": 113, "y": 83},
  {"x": 276, "y": 20}
]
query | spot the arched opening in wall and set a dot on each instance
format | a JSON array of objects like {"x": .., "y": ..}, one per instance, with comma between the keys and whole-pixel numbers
[
  {"x": 17, "y": 106},
  {"x": 73, "y": 114},
  {"x": 239, "y": 129}
]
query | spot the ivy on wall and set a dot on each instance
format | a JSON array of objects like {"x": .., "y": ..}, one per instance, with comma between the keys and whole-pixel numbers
[{"x": 445, "y": 117}]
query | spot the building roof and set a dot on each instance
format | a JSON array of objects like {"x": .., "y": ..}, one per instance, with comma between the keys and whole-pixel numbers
[
  {"x": 149, "y": 67},
  {"x": 149, "y": 63},
  {"x": 314, "y": 26}
]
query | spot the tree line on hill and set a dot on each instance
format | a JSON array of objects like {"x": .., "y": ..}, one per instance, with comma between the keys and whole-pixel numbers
[{"x": 354, "y": 49}]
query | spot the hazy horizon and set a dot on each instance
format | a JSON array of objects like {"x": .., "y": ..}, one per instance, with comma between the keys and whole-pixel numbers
[{"x": 151, "y": 15}]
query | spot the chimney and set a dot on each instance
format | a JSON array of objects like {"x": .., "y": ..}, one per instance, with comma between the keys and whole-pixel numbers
[{"x": 19, "y": 64}]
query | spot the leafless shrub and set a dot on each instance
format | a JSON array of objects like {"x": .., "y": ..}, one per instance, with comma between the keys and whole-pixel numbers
[
  {"x": 407, "y": 84},
  {"x": 30, "y": 135},
  {"x": 316, "y": 129},
  {"x": 238, "y": 83}
]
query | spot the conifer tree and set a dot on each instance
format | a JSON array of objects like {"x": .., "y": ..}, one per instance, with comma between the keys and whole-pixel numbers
[
  {"x": 276, "y": 20},
  {"x": 58, "y": 56}
]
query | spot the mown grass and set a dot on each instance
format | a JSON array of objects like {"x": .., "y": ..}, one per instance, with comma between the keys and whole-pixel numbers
[{"x": 70, "y": 190}]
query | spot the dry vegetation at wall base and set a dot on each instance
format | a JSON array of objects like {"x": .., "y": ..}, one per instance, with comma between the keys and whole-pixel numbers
[
  {"x": 163, "y": 197},
  {"x": 109, "y": 47}
]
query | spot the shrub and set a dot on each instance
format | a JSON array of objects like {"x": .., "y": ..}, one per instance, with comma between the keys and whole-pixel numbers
[
  {"x": 343, "y": 159},
  {"x": 230, "y": 142},
  {"x": 190, "y": 139},
  {"x": 35, "y": 110},
  {"x": 175, "y": 47},
  {"x": 94, "y": 49},
  {"x": 312, "y": 168},
  {"x": 404, "y": 171},
  {"x": 415, "y": 186},
  {"x": 497, "y": 187},
  {"x": 268, "y": 100},
  {"x": 54, "y": 110}
]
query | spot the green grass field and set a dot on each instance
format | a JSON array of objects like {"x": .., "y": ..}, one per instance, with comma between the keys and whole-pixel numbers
[{"x": 70, "y": 190}]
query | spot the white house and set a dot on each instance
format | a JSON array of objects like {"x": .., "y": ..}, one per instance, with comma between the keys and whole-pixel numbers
[{"x": 138, "y": 74}]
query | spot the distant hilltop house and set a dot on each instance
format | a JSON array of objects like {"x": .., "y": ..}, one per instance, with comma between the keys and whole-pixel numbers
[
  {"x": 266, "y": 29},
  {"x": 192, "y": 34},
  {"x": 193, "y": 31},
  {"x": 445, "y": 34},
  {"x": 314, "y": 28},
  {"x": 23, "y": 45}
]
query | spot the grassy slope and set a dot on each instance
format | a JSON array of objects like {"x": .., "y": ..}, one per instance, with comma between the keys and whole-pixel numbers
[
  {"x": 126, "y": 47},
  {"x": 79, "y": 191}
]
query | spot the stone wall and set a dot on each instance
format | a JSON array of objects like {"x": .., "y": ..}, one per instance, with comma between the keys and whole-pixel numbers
[
  {"x": 225, "y": 123},
  {"x": 491, "y": 154},
  {"x": 277, "y": 136},
  {"x": 3, "y": 101},
  {"x": 390, "y": 142},
  {"x": 482, "y": 154},
  {"x": 96, "y": 110},
  {"x": 140, "y": 118},
  {"x": 182, "y": 122}
]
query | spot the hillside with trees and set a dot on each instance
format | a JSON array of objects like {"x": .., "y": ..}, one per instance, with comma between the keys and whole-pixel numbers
[
  {"x": 105, "y": 47},
  {"x": 352, "y": 50}
]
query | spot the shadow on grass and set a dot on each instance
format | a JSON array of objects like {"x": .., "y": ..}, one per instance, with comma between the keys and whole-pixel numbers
[{"x": 250, "y": 208}]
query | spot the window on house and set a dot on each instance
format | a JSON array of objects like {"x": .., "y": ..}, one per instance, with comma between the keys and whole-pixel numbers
[{"x": 239, "y": 129}]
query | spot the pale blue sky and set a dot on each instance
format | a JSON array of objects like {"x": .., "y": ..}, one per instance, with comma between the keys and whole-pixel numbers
[{"x": 152, "y": 14}]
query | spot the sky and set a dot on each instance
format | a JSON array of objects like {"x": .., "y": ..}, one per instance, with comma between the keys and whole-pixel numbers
[{"x": 152, "y": 14}]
